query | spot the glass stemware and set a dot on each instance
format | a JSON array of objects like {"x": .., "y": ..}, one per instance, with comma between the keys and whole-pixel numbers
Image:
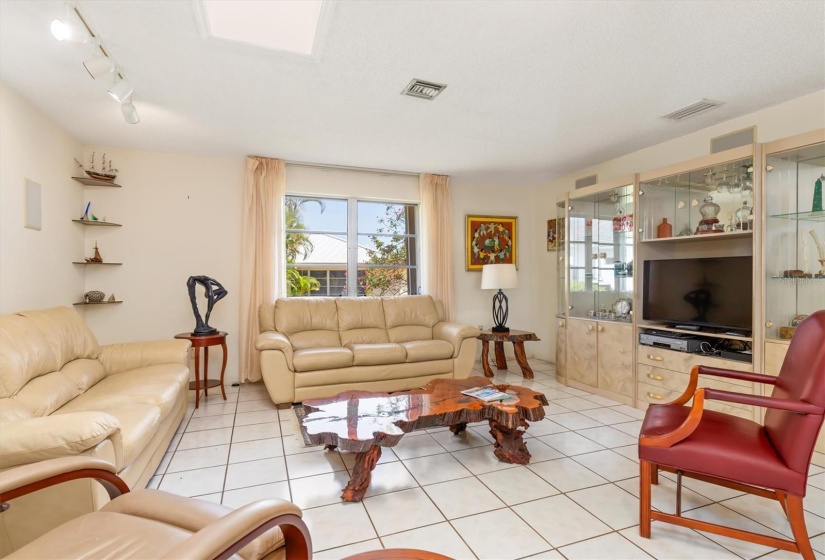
[
  {"x": 723, "y": 186},
  {"x": 736, "y": 185}
]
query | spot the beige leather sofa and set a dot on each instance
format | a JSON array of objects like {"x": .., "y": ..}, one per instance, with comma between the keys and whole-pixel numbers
[
  {"x": 318, "y": 347},
  {"x": 61, "y": 395}
]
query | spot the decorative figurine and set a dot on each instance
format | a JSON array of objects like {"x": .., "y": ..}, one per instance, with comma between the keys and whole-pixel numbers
[
  {"x": 112, "y": 298},
  {"x": 93, "y": 296},
  {"x": 214, "y": 293},
  {"x": 85, "y": 215},
  {"x": 97, "y": 258},
  {"x": 821, "y": 248},
  {"x": 104, "y": 174},
  {"x": 816, "y": 206}
]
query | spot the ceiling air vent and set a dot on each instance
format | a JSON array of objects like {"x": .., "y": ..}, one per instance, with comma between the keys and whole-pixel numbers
[
  {"x": 691, "y": 110},
  {"x": 587, "y": 181},
  {"x": 422, "y": 89}
]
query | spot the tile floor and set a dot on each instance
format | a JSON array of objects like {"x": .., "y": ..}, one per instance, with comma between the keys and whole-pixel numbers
[{"x": 577, "y": 499}]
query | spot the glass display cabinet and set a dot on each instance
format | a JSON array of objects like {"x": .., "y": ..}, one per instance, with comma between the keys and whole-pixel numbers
[
  {"x": 711, "y": 200},
  {"x": 600, "y": 251},
  {"x": 559, "y": 245},
  {"x": 794, "y": 240}
]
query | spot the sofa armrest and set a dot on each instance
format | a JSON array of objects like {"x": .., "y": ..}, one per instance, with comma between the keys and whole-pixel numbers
[
  {"x": 455, "y": 334},
  {"x": 273, "y": 340},
  {"x": 59, "y": 435},
  {"x": 132, "y": 355}
]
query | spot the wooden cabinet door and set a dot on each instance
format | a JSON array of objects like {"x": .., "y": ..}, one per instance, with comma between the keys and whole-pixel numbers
[
  {"x": 581, "y": 352},
  {"x": 774, "y": 356},
  {"x": 615, "y": 352},
  {"x": 561, "y": 351}
]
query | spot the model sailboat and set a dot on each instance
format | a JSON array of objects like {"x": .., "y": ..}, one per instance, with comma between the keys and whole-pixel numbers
[{"x": 104, "y": 174}]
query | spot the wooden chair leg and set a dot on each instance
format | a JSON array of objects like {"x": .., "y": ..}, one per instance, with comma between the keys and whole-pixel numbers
[
  {"x": 654, "y": 475},
  {"x": 797, "y": 518},
  {"x": 646, "y": 470}
]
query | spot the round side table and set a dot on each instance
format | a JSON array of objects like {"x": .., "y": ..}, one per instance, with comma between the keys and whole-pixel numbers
[{"x": 205, "y": 341}]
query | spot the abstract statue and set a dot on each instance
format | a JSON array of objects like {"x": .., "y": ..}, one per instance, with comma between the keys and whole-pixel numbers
[{"x": 214, "y": 293}]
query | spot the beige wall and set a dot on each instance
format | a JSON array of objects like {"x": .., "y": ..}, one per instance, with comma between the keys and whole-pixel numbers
[
  {"x": 36, "y": 267},
  {"x": 181, "y": 217},
  {"x": 787, "y": 119}
]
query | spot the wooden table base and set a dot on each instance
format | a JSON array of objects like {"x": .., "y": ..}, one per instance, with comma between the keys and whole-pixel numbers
[
  {"x": 518, "y": 339},
  {"x": 361, "y": 474},
  {"x": 510, "y": 446}
]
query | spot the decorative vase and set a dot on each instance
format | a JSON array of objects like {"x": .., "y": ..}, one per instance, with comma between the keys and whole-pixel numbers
[
  {"x": 709, "y": 209},
  {"x": 742, "y": 217},
  {"x": 817, "y": 203},
  {"x": 664, "y": 229}
]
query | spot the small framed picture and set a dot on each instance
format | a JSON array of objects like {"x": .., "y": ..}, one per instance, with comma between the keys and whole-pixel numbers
[
  {"x": 552, "y": 241},
  {"x": 491, "y": 240},
  {"x": 32, "y": 211}
]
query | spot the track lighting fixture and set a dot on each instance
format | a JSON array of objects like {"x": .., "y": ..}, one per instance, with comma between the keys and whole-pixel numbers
[
  {"x": 121, "y": 90},
  {"x": 73, "y": 28},
  {"x": 98, "y": 66},
  {"x": 130, "y": 114}
]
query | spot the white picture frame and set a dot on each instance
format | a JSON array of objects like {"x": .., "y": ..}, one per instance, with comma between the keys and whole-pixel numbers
[{"x": 32, "y": 211}]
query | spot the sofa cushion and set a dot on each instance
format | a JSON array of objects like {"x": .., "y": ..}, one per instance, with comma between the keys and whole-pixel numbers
[
  {"x": 410, "y": 318},
  {"x": 368, "y": 374},
  {"x": 11, "y": 409},
  {"x": 361, "y": 320},
  {"x": 426, "y": 350},
  {"x": 377, "y": 354},
  {"x": 308, "y": 322},
  {"x": 321, "y": 358},
  {"x": 47, "y": 393},
  {"x": 33, "y": 343},
  {"x": 84, "y": 373},
  {"x": 159, "y": 386}
]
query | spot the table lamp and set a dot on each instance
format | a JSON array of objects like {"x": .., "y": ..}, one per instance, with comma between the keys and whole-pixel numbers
[{"x": 499, "y": 277}]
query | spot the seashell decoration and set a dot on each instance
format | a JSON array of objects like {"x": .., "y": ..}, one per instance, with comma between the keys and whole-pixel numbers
[{"x": 93, "y": 296}]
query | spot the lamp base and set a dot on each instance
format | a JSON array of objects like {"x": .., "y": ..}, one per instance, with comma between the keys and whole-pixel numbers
[{"x": 500, "y": 329}]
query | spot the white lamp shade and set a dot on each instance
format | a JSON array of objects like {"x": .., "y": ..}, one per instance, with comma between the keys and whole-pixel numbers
[
  {"x": 498, "y": 277},
  {"x": 99, "y": 66},
  {"x": 130, "y": 113},
  {"x": 122, "y": 90}
]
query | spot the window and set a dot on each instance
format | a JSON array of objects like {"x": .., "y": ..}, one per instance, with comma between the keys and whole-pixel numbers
[{"x": 339, "y": 247}]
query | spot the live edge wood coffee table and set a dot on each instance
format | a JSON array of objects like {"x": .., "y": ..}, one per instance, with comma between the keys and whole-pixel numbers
[{"x": 363, "y": 422}]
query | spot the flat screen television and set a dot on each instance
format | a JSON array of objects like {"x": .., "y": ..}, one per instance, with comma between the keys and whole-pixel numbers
[{"x": 708, "y": 292}]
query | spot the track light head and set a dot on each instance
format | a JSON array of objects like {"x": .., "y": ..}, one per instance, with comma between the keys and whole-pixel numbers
[
  {"x": 99, "y": 66},
  {"x": 130, "y": 114},
  {"x": 64, "y": 30},
  {"x": 121, "y": 90}
]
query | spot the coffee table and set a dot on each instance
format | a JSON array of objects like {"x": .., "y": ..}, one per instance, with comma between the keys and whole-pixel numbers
[{"x": 363, "y": 422}]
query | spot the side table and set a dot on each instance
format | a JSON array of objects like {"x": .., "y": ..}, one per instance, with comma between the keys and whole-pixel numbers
[
  {"x": 205, "y": 341},
  {"x": 517, "y": 338}
]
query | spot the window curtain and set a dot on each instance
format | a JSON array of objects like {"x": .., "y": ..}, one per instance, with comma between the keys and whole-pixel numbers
[
  {"x": 263, "y": 275},
  {"x": 436, "y": 219}
]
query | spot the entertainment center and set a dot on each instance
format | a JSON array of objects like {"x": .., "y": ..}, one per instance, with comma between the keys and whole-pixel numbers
[{"x": 711, "y": 261}]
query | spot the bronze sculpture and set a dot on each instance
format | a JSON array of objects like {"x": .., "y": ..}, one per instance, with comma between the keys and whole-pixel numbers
[{"x": 214, "y": 293}]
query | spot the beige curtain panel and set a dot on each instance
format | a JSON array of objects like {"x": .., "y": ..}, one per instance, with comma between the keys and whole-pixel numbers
[
  {"x": 262, "y": 263},
  {"x": 436, "y": 219}
]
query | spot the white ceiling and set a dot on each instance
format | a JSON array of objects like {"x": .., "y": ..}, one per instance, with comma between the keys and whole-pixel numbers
[{"x": 535, "y": 89}]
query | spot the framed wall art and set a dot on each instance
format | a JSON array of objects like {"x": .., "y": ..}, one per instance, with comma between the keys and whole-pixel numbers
[
  {"x": 552, "y": 241},
  {"x": 491, "y": 240}
]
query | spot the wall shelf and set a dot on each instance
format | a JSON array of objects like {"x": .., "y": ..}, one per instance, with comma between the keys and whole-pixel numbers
[
  {"x": 700, "y": 238},
  {"x": 97, "y": 223},
  {"x": 89, "y": 182},
  {"x": 96, "y": 263},
  {"x": 98, "y": 302},
  {"x": 818, "y": 216}
]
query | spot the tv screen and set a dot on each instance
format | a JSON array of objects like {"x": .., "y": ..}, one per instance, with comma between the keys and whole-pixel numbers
[{"x": 710, "y": 292}]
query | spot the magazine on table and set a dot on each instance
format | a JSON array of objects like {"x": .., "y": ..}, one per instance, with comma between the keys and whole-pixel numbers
[{"x": 487, "y": 394}]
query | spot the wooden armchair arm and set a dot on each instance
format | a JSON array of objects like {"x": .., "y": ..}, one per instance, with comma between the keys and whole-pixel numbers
[
  {"x": 769, "y": 402},
  {"x": 685, "y": 428},
  {"x": 718, "y": 372},
  {"x": 26, "y": 479}
]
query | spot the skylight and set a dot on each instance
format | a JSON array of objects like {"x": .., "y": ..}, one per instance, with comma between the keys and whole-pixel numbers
[{"x": 286, "y": 25}]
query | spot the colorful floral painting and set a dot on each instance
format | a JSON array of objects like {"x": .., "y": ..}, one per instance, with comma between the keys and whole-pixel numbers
[{"x": 490, "y": 240}]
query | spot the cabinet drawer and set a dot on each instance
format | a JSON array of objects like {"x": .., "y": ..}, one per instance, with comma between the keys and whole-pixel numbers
[
  {"x": 661, "y": 395},
  {"x": 676, "y": 381},
  {"x": 683, "y": 362}
]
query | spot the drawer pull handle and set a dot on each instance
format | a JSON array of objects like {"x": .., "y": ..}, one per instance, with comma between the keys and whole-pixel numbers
[
  {"x": 656, "y": 377},
  {"x": 561, "y": 323},
  {"x": 589, "y": 328},
  {"x": 655, "y": 358},
  {"x": 654, "y": 396},
  {"x": 600, "y": 328}
]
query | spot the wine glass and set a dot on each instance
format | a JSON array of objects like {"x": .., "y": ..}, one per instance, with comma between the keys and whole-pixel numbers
[
  {"x": 723, "y": 185},
  {"x": 736, "y": 185}
]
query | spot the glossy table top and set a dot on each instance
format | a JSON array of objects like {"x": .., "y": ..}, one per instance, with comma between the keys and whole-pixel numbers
[{"x": 356, "y": 420}]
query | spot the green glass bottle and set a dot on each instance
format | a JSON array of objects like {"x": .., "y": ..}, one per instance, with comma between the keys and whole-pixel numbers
[{"x": 817, "y": 205}]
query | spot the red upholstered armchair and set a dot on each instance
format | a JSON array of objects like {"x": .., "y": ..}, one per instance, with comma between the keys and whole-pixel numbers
[{"x": 769, "y": 460}]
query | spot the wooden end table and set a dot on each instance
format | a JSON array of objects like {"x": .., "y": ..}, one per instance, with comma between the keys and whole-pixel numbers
[
  {"x": 363, "y": 422},
  {"x": 518, "y": 339},
  {"x": 205, "y": 341}
]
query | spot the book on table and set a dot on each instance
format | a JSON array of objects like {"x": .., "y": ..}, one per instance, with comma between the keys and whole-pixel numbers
[{"x": 487, "y": 394}]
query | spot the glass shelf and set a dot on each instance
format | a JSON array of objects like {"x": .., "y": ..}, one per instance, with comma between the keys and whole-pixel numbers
[{"x": 818, "y": 216}]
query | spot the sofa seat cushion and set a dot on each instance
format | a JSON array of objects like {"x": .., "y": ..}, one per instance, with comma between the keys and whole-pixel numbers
[
  {"x": 159, "y": 385},
  {"x": 312, "y": 359},
  {"x": 377, "y": 354},
  {"x": 370, "y": 374},
  {"x": 426, "y": 350}
]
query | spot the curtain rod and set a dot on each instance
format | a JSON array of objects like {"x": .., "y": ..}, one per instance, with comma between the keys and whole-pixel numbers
[{"x": 349, "y": 168}]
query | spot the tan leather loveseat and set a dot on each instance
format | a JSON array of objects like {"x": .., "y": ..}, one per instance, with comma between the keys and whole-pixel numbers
[
  {"x": 61, "y": 395},
  {"x": 318, "y": 347}
]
